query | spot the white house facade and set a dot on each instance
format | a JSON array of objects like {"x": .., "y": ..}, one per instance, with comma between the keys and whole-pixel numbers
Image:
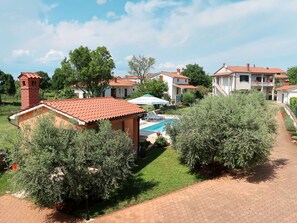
[
  {"x": 285, "y": 93},
  {"x": 117, "y": 88},
  {"x": 178, "y": 84},
  {"x": 232, "y": 78}
]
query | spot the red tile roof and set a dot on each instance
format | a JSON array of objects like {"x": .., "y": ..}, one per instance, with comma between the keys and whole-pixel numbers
[
  {"x": 281, "y": 76},
  {"x": 121, "y": 83},
  {"x": 29, "y": 75},
  {"x": 286, "y": 87},
  {"x": 267, "y": 70},
  {"x": 222, "y": 74},
  {"x": 131, "y": 77},
  {"x": 174, "y": 74},
  {"x": 94, "y": 109},
  {"x": 185, "y": 86}
]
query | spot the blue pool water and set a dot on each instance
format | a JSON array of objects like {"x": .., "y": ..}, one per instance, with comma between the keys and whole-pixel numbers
[{"x": 159, "y": 127}]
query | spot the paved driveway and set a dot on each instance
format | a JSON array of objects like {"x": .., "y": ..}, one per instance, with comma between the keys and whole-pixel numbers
[{"x": 269, "y": 195}]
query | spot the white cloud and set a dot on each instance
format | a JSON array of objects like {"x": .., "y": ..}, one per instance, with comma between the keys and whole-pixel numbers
[
  {"x": 110, "y": 14},
  {"x": 20, "y": 53},
  {"x": 101, "y": 2},
  {"x": 52, "y": 56},
  {"x": 169, "y": 66},
  {"x": 129, "y": 57},
  {"x": 174, "y": 32}
]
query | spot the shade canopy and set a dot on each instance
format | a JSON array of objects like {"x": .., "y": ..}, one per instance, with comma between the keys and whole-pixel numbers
[{"x": 148, "y": 99}]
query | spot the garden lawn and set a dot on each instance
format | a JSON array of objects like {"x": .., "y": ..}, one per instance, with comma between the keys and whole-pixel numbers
[
  {"x": 160, "y": 173},
  {"x": 5, "y": 182},
  {"x": 7, "y": 132}
]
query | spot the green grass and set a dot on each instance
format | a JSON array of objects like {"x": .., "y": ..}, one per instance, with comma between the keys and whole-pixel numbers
[
  {"x": 9, "y": 109},
  {"x": 5, "y": 182},
  {"x": 160, "y": 173},
  {"x": 7, "y": 132}
]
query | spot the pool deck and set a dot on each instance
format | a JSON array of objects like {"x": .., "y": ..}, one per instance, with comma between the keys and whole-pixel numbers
[{"x": 149, "y": 135}]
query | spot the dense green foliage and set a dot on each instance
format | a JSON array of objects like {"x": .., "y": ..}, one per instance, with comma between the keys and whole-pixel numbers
[
  {"x": 6, "y": 84},
  {"x": 201, "y": 92},
  {"x": 140, "y": 66},
  {"x": 58, "y": 163},
  {"x": 289, "y": 124},
  {"x": 188, "y": 98},
  {"x": 155, "y": 87},
  {"x": 161, "y": 141},
  {"x": 234, "y": 131},
  {"x": 293, "y": 101},
  {"x": 45, "y": 82},
  {"x": 58, "y": 79},
  {"x": 292, "y": 73},
  {"x": 66, "y": 93},
  {"x": 197, "y": 75},
  {"x": 88, "y": 70}
]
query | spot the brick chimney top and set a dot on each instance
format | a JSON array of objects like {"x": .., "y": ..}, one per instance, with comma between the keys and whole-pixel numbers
[
  {"x": 248, "y": 66},
  {"x": 286, "y": 82},
  {"x": 29, "y": 86}
]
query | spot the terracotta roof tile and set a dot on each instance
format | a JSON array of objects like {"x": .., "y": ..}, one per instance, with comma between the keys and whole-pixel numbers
[
  {"x": 281, "y": 76},
  {"x": 130, "y": 77},
  {"x": 286, "y": 87},
  {"x": 185, "y": 86},
  {"x": 94, "y": 109},
  {"x": 222, "y": 74},
  {"x": 174, "y": 74},
  {"x": 267, "y": 70},
  {"x": 29, "y": 75},
  {"x": 121, "y": 83}
]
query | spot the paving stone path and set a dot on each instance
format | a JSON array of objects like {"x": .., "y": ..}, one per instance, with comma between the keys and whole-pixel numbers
[{"x": 269, "y": 195}]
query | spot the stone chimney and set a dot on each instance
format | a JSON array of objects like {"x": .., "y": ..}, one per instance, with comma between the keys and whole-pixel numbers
[
  {"x": 29, "y": 86},
  {"x": 248, "y": 66},
  {"x": 178, "y": 71}
]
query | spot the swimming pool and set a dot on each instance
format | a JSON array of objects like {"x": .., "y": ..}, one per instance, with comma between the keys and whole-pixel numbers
[{"x": 159, "y": 127}]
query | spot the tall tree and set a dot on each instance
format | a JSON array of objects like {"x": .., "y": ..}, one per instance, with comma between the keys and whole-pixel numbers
[
  {"x": 6, "y": 84},
  {"x": 155, "y": 87},
  {"x": 292, "y": 73},
  {"x": 45, "y": 81},
  {"x": 58, "y": 79},
  {"x": 89, "y": 70},
  {"x": 197, "y": 75},
  {"x": 140, "y": 66}
]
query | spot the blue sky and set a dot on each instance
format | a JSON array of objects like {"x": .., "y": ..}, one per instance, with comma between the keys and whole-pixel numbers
[{"x": 38, "y": 34}]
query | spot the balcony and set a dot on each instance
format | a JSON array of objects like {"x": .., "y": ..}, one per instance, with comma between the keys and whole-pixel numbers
[{"x": 260, "y": 84}]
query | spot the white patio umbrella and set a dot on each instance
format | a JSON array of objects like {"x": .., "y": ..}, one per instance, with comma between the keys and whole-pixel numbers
[{"x": 148, "y": 99}]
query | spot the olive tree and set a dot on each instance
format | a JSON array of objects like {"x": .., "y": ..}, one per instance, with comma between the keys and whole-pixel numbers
[
  {"x": 60, "y": 163},
  {"x": 235, "y": 131}
]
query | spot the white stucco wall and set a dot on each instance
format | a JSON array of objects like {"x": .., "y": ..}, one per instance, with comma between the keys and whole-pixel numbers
[
  {"x": 169, "y": 81},
  {"x": 287, "y": 95},
  {"x": 79, "y": 92},
  {"x": 243, "y": 85}
]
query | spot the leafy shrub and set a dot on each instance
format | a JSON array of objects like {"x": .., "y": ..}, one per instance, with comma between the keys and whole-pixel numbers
[
  {"x": 293, "y": 133},
  {"x": 58, "y": 164},
  {"x": 188, "y": 98},
  {"x": 4, "y": 159},
  {"x": 234, "y": 131},
  {"x": 289, "y": 124},
  {"x": 293, "y": 101},
  {"x": 161, "y": 141},
  {"x": 201, "y": 92}
]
